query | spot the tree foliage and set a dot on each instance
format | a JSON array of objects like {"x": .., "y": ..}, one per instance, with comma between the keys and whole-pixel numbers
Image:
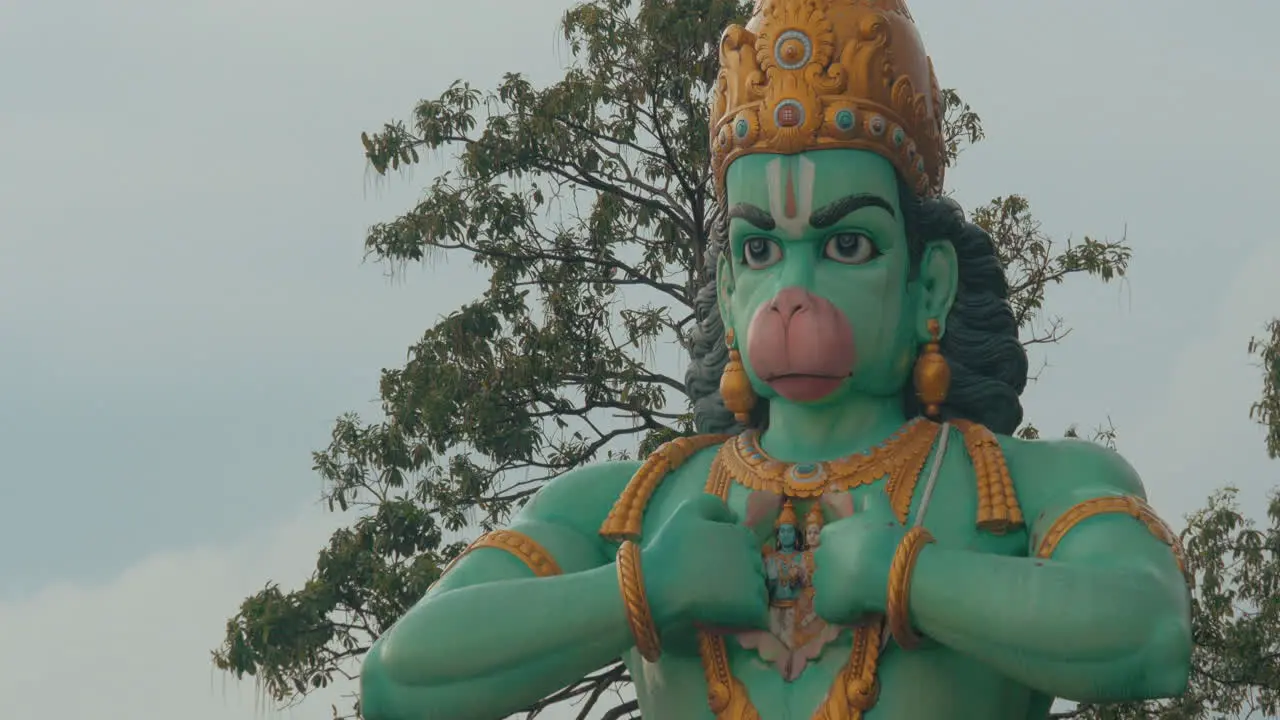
[
  {"x": 1267, "y": 410},
  {"x": 588, "y": 204}
]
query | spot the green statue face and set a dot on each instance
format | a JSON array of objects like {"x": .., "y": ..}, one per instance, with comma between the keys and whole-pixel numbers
[{"x": 818, "y": 286}]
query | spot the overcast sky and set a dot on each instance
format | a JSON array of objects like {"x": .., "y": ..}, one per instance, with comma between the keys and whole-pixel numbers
[{"x": 184, "y": 310}]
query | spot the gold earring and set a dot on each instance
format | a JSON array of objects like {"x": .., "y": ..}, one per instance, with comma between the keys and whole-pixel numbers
[
  {"x": 735, "y": 386},
  {"x": 932, "y": 374}
]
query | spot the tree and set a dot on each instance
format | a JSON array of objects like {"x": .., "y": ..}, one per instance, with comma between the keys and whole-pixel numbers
[
  {"x": 588, "y": 203},
  {"x": 1267, "y": 410}
]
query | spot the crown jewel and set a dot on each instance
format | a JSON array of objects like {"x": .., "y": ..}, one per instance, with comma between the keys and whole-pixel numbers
[{"x": 816, "y": 74}]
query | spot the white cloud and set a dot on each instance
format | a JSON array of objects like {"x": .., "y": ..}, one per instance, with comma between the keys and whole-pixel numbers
[{"x": 137, "y": 647}]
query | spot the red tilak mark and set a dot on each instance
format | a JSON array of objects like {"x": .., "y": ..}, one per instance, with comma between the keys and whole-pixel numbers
[{"x": 789, "y": 209}]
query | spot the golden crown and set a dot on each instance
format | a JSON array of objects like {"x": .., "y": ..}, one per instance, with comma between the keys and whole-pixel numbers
[
  {"x": 787, "y": 516},
  {"x": 816, "y": 74},
  {"x": 814, "y": 516}
]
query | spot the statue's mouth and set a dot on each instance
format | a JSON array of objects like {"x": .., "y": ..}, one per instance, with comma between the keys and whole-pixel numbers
[
  {"x": 801, "y": 345},
  {"x": 805, "y": 387}
]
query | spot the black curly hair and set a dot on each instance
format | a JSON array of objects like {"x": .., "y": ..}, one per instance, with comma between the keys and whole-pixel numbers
[{"x": 988, "y": 362}]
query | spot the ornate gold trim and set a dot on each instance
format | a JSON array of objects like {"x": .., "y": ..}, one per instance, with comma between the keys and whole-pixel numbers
[
  {"x": 901, "y": 485},
  {"x": 998, "y": 509},
  {"x": 726, "y": 694},
  {"x": 856, "y": 688},
  {"x": 626, "y": 518},
  {"x": 898, "y": 603},
  {"x": 639, "y": 616},
  {"x": 1130, "y": 505},
  {"x": 900, "y": 458},
  {"x": 524, "y": 548}
]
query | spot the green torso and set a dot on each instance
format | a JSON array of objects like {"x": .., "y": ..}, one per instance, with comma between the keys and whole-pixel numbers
[
  {"x": 1103, "y": 620},
  {"x": 676, "y": 683}
]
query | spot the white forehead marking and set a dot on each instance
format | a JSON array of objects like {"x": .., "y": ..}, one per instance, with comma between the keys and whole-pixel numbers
[{"x": 791, "y": 227}]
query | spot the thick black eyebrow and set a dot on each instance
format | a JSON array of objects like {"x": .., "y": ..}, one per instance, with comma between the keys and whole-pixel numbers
[
  {"x": 830, "y": 214},
  {"x": 754, "y": 215}
]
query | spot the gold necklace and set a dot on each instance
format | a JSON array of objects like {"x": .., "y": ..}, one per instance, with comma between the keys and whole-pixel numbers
[{"x": 900, "y": 459}]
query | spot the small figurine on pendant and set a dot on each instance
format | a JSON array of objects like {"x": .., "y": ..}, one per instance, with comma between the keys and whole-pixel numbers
[
  {"x": 796, "y": 634},
  {"x": 784, "y": 567},
  {"x": 813, "y": 521}
]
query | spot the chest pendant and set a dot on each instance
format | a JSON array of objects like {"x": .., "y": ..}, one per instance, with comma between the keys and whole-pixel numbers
[{"x": 796, "y": 634}]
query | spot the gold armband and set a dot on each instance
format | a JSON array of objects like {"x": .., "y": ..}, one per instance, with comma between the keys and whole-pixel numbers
[
  {"x": 631, "y": 581},
  {"x": 1109, "y": 505},
  {"x": 524, "y": 548},
  {"x": 897, "y": 606}
]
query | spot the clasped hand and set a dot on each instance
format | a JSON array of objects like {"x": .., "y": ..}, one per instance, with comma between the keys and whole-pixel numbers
[
  {"x": 703, "y": 567},
  {"x": 851, "y": 565}
]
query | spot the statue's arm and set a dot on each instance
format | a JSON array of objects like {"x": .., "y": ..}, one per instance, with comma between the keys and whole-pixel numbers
[
  {"x": 1100, "y": 612},
  {"x": 506, "y": 627}
]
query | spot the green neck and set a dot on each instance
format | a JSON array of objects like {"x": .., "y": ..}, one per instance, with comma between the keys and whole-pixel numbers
[{"x": 802, "y": 434}]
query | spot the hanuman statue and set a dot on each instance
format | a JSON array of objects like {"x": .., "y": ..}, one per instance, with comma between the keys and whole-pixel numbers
[{"x": 858, "y": 535}]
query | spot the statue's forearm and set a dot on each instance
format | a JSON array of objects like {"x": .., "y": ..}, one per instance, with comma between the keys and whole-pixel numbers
[
  {"x": 476, "y": 651},
  {"x": 493, "y": 695},
  {"x": 1088, "y": 632},
  {"x": 498, "y": 625}
]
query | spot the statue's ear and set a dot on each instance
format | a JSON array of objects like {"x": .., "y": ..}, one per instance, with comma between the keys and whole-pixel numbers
[
  {"x": 724, "y": 286},
  {"x": 938, "y": 280}
]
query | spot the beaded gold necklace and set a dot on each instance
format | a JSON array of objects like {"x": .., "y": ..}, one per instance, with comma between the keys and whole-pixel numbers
[{"x": 900, "y": 459}]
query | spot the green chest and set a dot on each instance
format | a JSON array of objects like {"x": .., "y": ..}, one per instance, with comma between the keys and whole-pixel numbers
[
  {"x": 790, "y": 670},
  {"x": 950, "y": 513},
  {"x": 949, "y": 510}
]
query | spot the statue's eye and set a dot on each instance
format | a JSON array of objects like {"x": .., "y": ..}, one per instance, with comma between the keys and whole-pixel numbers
[
  {"x": 760, "y": 252},
  {"x": 851, "y": 248}
]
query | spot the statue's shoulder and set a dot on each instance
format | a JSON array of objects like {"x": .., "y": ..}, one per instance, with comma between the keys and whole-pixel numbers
[
  {"x": 1065, "y": 471},
  {"x": 1069, "y": 481},
  {"x": 581, "y": 498},
  {"x": 608, "y": 499},
  {"x": 626, "y": 517}
]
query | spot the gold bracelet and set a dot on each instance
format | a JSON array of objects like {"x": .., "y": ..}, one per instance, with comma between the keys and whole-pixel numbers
[
  {"x": 631, "y": 581},
  {"x": 897, "y": 607}
]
